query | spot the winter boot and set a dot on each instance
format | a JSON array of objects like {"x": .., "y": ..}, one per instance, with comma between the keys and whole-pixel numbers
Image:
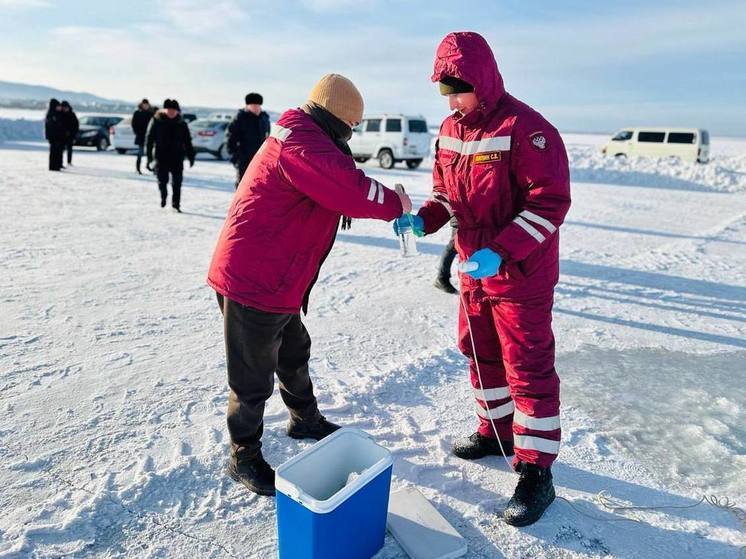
[
  {"x": 533, "y": 494},
  {"x": 252, "y": 471},
  {"x": 176, "y": 209},
  {"x": 137, "y": 165},
  {"x": 314, "y": 429},
  {"x": 478, "y": 446},
  {"x": 444, "y": 284}
]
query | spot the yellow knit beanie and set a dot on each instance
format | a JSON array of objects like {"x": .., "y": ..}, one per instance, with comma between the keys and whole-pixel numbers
[{"x": 339, "y": 96}]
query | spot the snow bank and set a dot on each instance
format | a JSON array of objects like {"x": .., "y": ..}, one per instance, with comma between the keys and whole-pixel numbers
[
  {"x": 724, "y": 173},
  {"x": 21, "y": 129}
]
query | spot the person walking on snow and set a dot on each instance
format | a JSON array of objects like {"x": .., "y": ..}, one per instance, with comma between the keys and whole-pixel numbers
[
  {"x": 71, "y": 129},
  {"x": 140, "y": 121},
  {"x": 280, "y": 228},
  {"x": 169, "y": 135},
  {"x": 246, "y": 133},
  {"x": 501, "y": 169},
  {"x": 54, "y": 132}
]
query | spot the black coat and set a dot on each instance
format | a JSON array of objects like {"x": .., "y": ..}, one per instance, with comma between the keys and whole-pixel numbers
[
  {"x": 171, "y": 139},
  {"x": 140, "y": 121},
  {"x": 54, "y": 127},
  {"x": 245, "y": 135},
  {"x": 70, "y": 120}
]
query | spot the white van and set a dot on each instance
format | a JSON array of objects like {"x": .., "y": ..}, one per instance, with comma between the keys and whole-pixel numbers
[
  {"x": 391, "y": 138},
  {"x": 688, "y": 144}
]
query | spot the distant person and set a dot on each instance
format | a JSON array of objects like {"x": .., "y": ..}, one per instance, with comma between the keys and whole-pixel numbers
[
  {"x": 169, "y": 140},
  {"x": 280, "y": 228},
  {"x": 501, "y": 170},
  {"x": 246, "y": 133},
  {"x": 71, "y": 129},
  {"x": 443, "y": 281},
  {"x": 140, "y": 121},
  {"x": 54, "y": 132}
]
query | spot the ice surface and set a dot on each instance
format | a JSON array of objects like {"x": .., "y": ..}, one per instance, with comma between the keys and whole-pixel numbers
[{"x": 112, "y": 373}]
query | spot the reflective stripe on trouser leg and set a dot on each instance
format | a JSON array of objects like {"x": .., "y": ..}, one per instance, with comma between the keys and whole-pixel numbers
[
  {"x": 527, "y": 341},
  {"x": 491, "y": 367}
]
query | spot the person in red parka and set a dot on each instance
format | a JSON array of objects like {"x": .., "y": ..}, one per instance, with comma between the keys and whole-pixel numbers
[
  {"x": 501, "y": 169},
  {"x": 280, "y": 227}
]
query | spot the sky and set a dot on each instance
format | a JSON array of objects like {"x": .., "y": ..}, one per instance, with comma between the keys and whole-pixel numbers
[{"x": 586, "y": 65}]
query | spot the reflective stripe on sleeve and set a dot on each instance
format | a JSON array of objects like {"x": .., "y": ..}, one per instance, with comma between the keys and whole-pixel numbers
[
  {"x": 280, "y": 132},
  {"x": 530, "y": 229},
  {"x": 546, "y": 224},
  {"x": 526, "y": 442},
  {"x": 373, "y": 189},
  {"x": 536, "y": 423}
]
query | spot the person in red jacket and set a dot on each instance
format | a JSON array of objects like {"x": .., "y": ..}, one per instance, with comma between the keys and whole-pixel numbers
[
  {"x": 501, "y": 169},
  {"x": 280, "y": 228}
]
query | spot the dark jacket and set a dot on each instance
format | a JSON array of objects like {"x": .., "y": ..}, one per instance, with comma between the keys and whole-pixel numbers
[
  {"x": 140, "y": 120},
  {"x": 72, "y": 125},
  {"x": 171, "y": 139},
  {"x": 54, "y": 123},
  {"x": 245, "y": 135}
]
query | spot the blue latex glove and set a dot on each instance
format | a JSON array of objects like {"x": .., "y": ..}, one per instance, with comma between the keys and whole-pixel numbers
[
  {"x": 409, "y": 221},
  {"x": 483, "y": 264}
]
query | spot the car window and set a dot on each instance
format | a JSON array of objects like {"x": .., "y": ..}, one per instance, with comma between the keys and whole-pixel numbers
[
  {"x": 651, "y": 137},
  {"x": 417, "y": 126},
  {"x": 374, "y": 125},
  {"x": 705, "y": 137},
  {"x": 622, "y": 136},
  {"x": 393, "y": 125},
  {"x": 681, "y": 138}
]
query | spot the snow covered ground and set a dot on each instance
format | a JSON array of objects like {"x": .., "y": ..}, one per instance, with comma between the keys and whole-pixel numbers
[{"x": 112, "y": 382}]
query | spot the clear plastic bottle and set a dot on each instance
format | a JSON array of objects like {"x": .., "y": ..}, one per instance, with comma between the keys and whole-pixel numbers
[{"x": 407, "y": 239}]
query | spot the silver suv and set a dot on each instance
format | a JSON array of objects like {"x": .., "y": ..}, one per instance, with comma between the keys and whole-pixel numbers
[{"x": 391, "y": 138}]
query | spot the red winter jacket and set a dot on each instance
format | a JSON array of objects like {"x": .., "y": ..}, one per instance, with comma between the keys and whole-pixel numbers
[
  {"x": 502, "y": 171},
  {"x": 284, "y": 216}
]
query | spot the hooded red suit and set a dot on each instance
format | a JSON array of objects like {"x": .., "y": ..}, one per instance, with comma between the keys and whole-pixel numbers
[{"x": 502, "y": 171}]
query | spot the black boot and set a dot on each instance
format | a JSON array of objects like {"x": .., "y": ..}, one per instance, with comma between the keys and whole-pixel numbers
[
  {"x": 478, "y": 446},
  {"x": 252, "y": 471},
  {"x": 444, "y": 284},
  {"x": 533, "y": 494},
  {"x": 315, "y": 429},
  {"x": 137, "y": 165}
]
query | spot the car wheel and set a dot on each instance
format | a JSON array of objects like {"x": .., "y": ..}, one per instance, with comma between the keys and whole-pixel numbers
[
  {"x": 121, "y": 151},
  {"x": 386, "y": 159},
  {"x": 102, "y": 144},
  {"x": 413, "y": 163},
  {"x": 621, "y": 155},
  {"x": 362, "y": 159},
  {"x": 222, "y": 153}
]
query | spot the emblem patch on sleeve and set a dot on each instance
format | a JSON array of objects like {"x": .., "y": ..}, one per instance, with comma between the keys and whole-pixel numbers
[
  {"x": 487, "y": 157},
  {"x": 539, "y": 141}
]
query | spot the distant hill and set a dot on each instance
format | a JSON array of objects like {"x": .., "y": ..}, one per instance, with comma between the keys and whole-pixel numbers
[{"x": 12, "y": 91}]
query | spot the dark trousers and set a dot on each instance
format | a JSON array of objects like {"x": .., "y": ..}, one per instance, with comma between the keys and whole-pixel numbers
[
  {"x": 176, "y": 170},
  {"x": 140, "y": 153},
  {"x": 69, "y": 147},
  {"x": 56, "y": 150},
  {"x": 241, "y": 167},
  {"x": 259, "y": 344},
  {"x": 446, "y": 259}
]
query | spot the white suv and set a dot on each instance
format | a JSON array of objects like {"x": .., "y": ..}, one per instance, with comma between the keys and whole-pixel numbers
[{"x": 391, "y": 138}]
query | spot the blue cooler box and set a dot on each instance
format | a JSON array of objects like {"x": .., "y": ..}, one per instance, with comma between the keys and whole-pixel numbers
[{"x": 322, "y": 511}]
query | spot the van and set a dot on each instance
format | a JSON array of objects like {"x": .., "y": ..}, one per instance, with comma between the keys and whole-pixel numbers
[
  {"x": 688, "y": 144},
  {"x": 391, "y": 138}
]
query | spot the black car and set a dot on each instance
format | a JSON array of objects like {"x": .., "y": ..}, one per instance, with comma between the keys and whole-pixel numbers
[{"x": 94, "y": 131}]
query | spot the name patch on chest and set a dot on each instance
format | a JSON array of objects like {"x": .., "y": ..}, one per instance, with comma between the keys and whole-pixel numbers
[{"x": 487, "y": 157}]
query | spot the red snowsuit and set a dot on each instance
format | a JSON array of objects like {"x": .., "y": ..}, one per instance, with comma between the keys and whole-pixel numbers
[
  {"x": 502, "y": 171},
  {"x": 284, "y": 216}
]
